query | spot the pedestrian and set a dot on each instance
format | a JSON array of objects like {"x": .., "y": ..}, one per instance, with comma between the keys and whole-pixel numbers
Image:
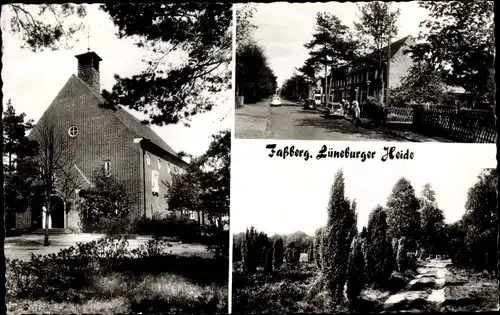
[{"x": 356, "y": 111}]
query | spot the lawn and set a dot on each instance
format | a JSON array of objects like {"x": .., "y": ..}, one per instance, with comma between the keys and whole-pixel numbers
[
  {"x": 288, "y": 290},
  {"x": 170, "y": 279}
]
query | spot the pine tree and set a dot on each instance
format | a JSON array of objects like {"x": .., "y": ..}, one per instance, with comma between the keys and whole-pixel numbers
[
  {"x": 248, "y": 251},
  {"x": 402, "y": 255},
  {"x": 310, "y": 254},
  {"x": 278, "y": 252}
]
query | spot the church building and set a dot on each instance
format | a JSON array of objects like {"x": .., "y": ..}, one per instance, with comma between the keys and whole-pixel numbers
[{"x": 103, "y": 137}]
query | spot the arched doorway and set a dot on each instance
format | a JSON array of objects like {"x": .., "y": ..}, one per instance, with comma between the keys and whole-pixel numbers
[{"x": 57, "y": 212}]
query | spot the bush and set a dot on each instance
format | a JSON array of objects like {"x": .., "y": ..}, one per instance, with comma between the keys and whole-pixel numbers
[
  {"x": 375, "y": 110},
  {"x": 64, "y": 276},
  {"x": 318, "y": 241},
  {"x": 402, "y": 255},
  {"x": 169, "y": 226},
  {"x": 278, "y": 253},
  {"x": 105, "y": 205},
  {"x": 269, "y": 260},
  {"x": 310, "y": 254},
  {"x": 217, "y": 241},
  {"x": 355, "y": 273},
  {"x": 248, "y": 253}
]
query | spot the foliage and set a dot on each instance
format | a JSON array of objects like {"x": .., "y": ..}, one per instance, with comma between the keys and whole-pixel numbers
[
  {"x": 278, "y": 253},
  {"x": 431, "y": 224},
  {"x": 295, "y": 88},
  {"x": 167, "y": 226},
  {"x": 244, "y": 26},
  {"x": 318, "y": 246},
  {"x": 355, "y": 272},
  {"x": 253, "y": 250},
  {"x": 21, "y": 174},
  {"x": 104, "y": 202},
  {"x": 168, "y": 94},
  {"x": 332, "y": 45},
  {"x": 255, "y": 80},
  {"x": 268, "y": 266},
  {"x": 473, "y": 238},
  {"x": 341, "y": 219},
  {"x": 402, "y": 255},
  {"x": 421, "y": 85},
  {"x": 310, "y": 254},
  {"x": 378, "y": 254},
  {"x": 45, "y": 25},
  {"x": 458, "y": 40},
  {"x": 402, "y": 211},
  {"x": 376, "y": 26},
  {"x": 64, "y": 275},
  {"x": 375, "y": 110}
]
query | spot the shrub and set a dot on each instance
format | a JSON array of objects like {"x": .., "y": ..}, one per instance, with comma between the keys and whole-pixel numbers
[
  {"x": 296, "y": 255},
  {"x": 402, "y": 255},
  {"x": 375, "y": 110},
  {"x": 318, "y": 241},
  {"x": 278, "y": 253},
  {"x": 105, "y": 205},
  {"x": 248, "y": 253},
  {"x": 355, "y": 273},
  {"x": 269, "y": 260},
  {"x": 216, "y": 240},
  {"x": 64, "y": 276},
  {"x": 171, "y": 225},
  {"x": 379, "y": 255},
  {"x": 310, "y": 254}
]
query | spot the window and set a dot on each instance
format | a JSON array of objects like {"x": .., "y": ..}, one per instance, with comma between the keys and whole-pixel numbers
[
  {"x": 159, "y": 164},
  {"x": 73, "y": 131},
  {"x": 107, "y": 168},
  {"x": 168, "y": 168},
  {"x": 148, "y": 159},
  {"x": 192, "y": 215}
]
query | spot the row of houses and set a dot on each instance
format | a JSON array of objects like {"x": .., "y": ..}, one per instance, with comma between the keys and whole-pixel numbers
[{"x": 360, "y": 79}]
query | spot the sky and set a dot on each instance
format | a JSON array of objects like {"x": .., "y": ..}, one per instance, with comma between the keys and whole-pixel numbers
[
  {"x": 283, "y": 28},
  {"x": 32, "y": 80},
  {"x": 284, "y": 196}
]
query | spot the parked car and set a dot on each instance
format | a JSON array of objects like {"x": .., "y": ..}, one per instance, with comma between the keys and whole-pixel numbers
[
  {"x": 276, "y": 101},
  {"x": 334, "y": 109},
  {"x": 309, "y": 103}
]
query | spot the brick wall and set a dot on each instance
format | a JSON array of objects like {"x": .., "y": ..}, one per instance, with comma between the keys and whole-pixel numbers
[
  {"x": 165, "y": 168},
  {"x": 102, "y": 136}
]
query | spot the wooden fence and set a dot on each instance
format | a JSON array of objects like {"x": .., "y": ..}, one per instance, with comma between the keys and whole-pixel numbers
[{"x": 472, "y": 126}]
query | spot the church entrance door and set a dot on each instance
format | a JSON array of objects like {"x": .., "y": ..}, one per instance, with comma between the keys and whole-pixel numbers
[{"x": 57, "y": 212}]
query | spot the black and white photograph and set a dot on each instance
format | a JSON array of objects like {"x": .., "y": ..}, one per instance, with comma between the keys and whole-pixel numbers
[
  {"x": 413, "y": 71},
  {"x": 116, "y": 157},
  {"x": 329, "y": 237}
]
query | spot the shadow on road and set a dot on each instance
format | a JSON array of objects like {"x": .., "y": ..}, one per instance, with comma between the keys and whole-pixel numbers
[{"x": 343, "y": 126}]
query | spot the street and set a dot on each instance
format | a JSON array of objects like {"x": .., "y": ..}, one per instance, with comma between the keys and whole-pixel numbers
[{"x": 291, "y": 122}]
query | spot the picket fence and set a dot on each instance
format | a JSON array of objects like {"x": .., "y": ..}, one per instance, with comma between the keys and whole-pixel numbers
[{"x": 471, "y": 126}]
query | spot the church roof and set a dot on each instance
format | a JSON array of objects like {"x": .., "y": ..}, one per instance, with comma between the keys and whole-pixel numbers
[{"x": 135, "y": 125}]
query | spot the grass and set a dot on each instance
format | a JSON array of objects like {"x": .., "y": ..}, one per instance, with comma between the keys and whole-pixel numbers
[{"x": 189, "y": 281}]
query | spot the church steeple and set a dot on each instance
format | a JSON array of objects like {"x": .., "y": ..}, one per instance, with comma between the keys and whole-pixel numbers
[{"x": 88, "y": 69}]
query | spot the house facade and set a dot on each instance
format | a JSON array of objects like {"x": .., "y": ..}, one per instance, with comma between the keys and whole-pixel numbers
[
  {"x": 101, "y": 136},
  {"x": 361, "y": 79}
]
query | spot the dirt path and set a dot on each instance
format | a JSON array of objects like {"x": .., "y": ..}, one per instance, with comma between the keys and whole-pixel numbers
[{"x": 424, "y": 293}]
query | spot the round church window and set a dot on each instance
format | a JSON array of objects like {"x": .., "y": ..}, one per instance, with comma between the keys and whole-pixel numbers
[{"x": 73, "y": 131}]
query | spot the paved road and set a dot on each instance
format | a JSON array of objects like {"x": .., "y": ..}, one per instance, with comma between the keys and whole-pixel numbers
[{"x": 292, "y": 122}]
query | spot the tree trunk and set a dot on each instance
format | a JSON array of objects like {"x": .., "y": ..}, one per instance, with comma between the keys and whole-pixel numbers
[
  {"x": 47, "y": 216},
  {"x": 388, "y": 69}
]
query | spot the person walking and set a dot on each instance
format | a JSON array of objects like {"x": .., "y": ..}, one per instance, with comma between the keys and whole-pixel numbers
[{"x": 356, "y": 114}]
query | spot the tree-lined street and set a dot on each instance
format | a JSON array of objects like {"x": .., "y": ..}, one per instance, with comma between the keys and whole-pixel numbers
[{"x": 290, "y": 121}]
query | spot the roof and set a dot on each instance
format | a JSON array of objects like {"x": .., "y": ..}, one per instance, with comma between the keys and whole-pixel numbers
[
  {"x": 367, "y": 60},
  {"x": 135, "y": 125}
]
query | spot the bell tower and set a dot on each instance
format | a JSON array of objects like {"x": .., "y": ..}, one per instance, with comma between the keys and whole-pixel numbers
[{"x": 88, "y": 69}]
